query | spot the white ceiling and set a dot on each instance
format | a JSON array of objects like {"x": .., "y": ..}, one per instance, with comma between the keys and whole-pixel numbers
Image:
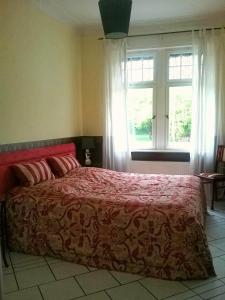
[{"x": 84, "y": 14}]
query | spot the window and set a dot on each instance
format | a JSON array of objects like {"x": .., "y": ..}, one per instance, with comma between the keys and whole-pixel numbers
[
  {"x": 160, "y": 99},
  {"x": 140, "y": 100},
  {"x": 179, "y": 100}
]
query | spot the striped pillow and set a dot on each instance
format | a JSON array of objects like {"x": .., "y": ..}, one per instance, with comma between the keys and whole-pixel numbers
[
  {"x": 63, "y": 164},
  {"x": 32, "y": 173}
]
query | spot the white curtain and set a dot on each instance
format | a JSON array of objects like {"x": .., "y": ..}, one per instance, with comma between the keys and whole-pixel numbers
[
  {"x": 115, "y": 139},
  {"x": 208, "y": 129}
]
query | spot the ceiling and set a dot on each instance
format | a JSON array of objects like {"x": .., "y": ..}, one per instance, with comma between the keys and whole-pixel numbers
[{"x": 84, "y": 14}]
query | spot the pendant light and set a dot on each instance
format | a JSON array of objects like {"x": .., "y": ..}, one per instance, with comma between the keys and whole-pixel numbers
[{"x": 115, "y": 15}]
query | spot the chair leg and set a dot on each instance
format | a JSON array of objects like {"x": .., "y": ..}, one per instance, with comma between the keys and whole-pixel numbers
[{"x": 214, "y": 195}]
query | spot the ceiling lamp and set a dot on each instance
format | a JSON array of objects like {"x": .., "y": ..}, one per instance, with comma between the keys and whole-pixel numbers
[{"x": 115, "y": 15}]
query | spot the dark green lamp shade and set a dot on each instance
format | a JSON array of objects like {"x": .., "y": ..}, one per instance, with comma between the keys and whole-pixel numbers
[{"x": 115, "y": 15}]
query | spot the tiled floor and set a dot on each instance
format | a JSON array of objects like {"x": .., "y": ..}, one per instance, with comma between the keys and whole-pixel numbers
[{"x": 37, "y": 278}]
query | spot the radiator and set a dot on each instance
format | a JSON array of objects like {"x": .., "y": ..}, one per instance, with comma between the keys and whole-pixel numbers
[{"x": 161, "y": 167}]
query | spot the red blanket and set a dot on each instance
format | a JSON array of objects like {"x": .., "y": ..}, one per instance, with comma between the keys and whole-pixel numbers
[{"x": 146, "y": 224}]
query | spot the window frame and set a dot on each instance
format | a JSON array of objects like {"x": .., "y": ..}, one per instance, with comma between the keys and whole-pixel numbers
[
  {"x": 160, "y": 84},
  {"x": 147, "y": 84},
  {"x": 174, "y": 83}
]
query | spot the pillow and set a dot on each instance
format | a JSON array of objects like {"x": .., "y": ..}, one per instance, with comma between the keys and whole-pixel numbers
[
  {"x": 32, "y": 173},
  {"x": 63, "y": 164}
]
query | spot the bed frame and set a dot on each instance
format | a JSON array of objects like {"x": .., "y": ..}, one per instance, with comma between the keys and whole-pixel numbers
[
  {"x": 47, "y": 239},
  {"x": 8, "y": 180},
  {"x": 7, "y": 159}
]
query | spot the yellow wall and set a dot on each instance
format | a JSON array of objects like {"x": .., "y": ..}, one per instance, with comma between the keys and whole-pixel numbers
[
  {"x": 92, "y": 85},
  {"x": 40, "y": 75}
]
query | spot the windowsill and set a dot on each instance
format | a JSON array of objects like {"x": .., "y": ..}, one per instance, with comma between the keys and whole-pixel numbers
[
  {"x": 169, "y": 150},
  {"x": 161, "y": 155}
]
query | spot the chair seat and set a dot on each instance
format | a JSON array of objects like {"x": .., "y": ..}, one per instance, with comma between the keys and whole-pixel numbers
[
  {"x": 216, "y": 179},
  {"x": 212, "y": 176}
]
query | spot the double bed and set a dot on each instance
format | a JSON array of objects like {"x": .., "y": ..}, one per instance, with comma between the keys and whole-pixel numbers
[{"x": 147, "y": 224}]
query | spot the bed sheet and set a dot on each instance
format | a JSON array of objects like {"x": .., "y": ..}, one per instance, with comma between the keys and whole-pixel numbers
[{"x": 146, "y": 224}]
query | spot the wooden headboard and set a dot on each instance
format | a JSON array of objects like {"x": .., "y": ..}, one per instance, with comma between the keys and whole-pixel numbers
[{"x": 7, "y": 159}]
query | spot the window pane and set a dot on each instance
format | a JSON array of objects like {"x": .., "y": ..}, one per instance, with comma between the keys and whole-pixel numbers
[
  {"x": 147, "y": 74},
  {"x": 180, "y": 112},
  {"x": 186, "y": 59},
  {"x": 148, "y": 63},
  {"x": 186, "y": 72},
  {"x": 140, "y": 69},
  {"x": 180, "y": 66},
  {"x": 175, "y": 73},
  {"x": 174, "y": 60},
  {"x": 140, "y": 104},
  {"x": 136, "y": 75},
  {"x": 137, "y": 63}
]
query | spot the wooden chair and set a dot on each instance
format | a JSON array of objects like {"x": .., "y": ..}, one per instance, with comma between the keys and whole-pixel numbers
[{"x": 216, "y": 179}]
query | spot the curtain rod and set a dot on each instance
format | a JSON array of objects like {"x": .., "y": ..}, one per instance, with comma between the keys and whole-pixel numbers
[{"x": 169, "y": 32}]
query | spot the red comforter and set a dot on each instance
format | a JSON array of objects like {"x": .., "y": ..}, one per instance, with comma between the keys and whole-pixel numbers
[{"x": 146, "y": 224}]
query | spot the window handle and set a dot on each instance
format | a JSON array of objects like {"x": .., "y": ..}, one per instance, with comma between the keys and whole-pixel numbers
[
  {"x": 153, "y": 117},
  {"x": 167, "y": 116}
]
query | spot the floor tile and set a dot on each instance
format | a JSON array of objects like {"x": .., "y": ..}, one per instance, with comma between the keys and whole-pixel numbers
[
  {"x": 217, "y": 231},
  {"x": 196, "y": 283},
  {"x": 65, "y": 269},
  {"x": 215, "y": 251},
  {"x": 223, "y": 280},
  {"x": 130, "y": 291},
  {"x": 92, "y": 268},
  {"x": 27, "y": 294},
  {"x": 53, "y": 260},
  {"x": 213, "y": 225},
  {"x": 220, "y": 243},
  {"x": 220, "y": 209},
  {"x": 210, "y": 239},
  {"x": 163, "y": 288},
  {"x": 29, "y": 266},
  {"x": 222, "y": 257},
  {"x": 65, "y": 289},
  {"x": 18, "y": 258},
  {"x": 96, "y": 281},
  {"x": 219, "y": 266},
  {"x": 215, "y": 217},
  {"x": 207, "y": 287},
  {"x": 212, "y": 293},
  {"x": 182, "y": 296},
  {"x": 36, "y": 276},
  {"x": 214, "y": 220},
  {"x": 9, "y": 283},
  {"x": 194, "y": 298},
  {"x": 219, "y": 297},
  {"x": 96, "y": 296},
  {"x": 8, "y": 270},
  {"x": 125, "y": 277},
  {"x": 22, "y": 261}
]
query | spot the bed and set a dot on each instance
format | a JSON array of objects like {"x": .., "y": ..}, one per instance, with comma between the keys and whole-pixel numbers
[{"x": 146, "y": 224}]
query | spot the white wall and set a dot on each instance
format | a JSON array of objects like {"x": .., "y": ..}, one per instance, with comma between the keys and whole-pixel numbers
[{"x": 159, "y": 41}]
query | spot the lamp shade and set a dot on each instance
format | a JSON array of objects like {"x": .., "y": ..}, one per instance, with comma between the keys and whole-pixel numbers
[
  {"x": 115, "y": 15},
  {"x": 87, "y": 143}
]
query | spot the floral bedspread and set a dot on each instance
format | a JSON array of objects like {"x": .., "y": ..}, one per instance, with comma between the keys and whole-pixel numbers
[{"x": 147, "y": 224}]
